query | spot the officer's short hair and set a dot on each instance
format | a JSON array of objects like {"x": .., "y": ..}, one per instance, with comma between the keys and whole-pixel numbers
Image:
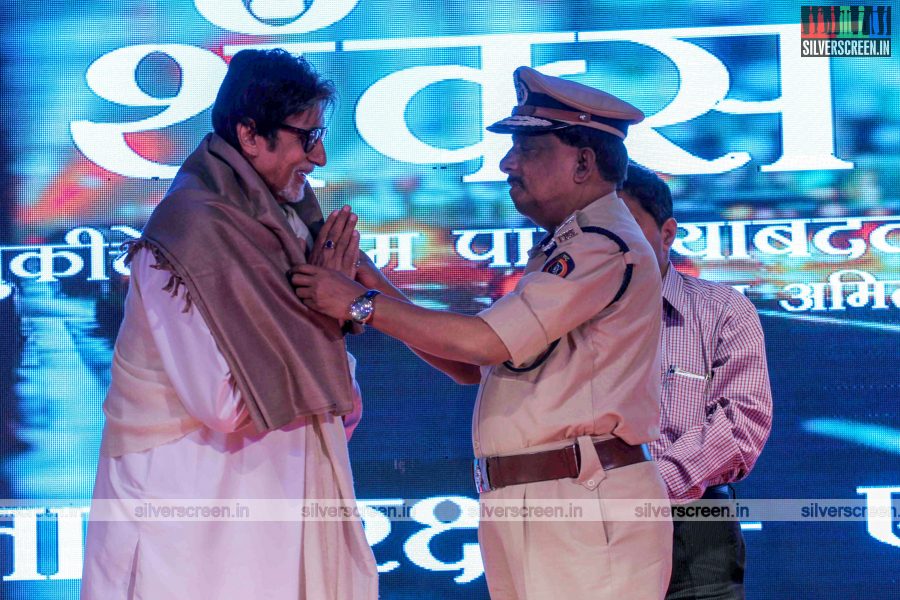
[
  {"x": 611, "y": 156},
  {"x": 650, "y": 191},
  {"x": 265, "y": 87}
]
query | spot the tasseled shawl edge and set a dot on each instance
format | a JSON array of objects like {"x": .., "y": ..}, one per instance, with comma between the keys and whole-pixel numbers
[{"x": 175, "y": 282}]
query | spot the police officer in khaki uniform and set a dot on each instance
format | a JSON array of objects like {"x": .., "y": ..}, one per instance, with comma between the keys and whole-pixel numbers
[{"x": 568, "y": 361}]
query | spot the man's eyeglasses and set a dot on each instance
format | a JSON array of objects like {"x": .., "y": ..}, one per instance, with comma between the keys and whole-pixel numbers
[{"x": 309, "y": 137}]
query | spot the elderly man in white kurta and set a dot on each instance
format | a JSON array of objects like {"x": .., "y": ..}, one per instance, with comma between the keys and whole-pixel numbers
[{"x": 223, "y": 386}]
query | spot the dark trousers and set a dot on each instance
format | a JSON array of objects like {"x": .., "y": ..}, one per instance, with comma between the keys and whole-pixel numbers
[{"x": 707, "y": 557}]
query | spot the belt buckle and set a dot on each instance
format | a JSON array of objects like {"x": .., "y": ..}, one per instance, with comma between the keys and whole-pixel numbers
[
  {"x": 480, "y": 472},
  {"x": 576, "y": 458}
]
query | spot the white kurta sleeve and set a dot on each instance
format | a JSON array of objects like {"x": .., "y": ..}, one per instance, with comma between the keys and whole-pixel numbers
[{"x": 191, "y": 359}]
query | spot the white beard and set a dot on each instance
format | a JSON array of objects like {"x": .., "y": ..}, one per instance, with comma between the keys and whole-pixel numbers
[{"x": 293, "y": 192}]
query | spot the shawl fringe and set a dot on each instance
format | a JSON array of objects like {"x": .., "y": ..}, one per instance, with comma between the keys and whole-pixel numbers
[{"x": 175, "y": 282}]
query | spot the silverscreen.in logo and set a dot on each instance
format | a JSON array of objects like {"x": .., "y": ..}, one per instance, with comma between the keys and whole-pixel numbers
[{"x": 845, "y": 30}]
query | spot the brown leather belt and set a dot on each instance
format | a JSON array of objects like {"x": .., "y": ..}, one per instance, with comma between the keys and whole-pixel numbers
[{"x": 495, "y": 472}]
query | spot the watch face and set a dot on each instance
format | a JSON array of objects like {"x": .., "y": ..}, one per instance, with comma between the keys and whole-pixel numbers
[{"x": 361, "y": 309}]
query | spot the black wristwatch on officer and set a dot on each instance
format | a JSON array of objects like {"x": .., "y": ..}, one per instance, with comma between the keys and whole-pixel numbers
[{"x": 363, "y": 307}]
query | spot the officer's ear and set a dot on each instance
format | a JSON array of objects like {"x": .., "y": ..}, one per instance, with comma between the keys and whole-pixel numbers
[{"x": 585, "y": 164}]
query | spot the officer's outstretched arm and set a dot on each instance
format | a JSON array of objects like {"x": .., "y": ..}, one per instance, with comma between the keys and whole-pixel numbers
[{"x": 446, "y": 335}]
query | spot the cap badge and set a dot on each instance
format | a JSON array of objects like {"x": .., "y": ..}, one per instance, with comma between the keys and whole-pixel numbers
[{"x": 521, "y": 92}]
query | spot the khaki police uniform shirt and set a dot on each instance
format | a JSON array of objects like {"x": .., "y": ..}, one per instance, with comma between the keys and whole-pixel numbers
[{"x": 603, "y": 376}]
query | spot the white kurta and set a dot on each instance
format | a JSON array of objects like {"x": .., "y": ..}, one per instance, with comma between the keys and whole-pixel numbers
[{"x": 225, "y": 459}]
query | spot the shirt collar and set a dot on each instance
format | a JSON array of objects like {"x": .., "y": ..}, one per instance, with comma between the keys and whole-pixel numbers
[
  {"x": 598, "y": 210},
  {"x": 604, "y": 207},
  {"x": 300, "y": 229},
  {"x": 673, "y": 289}
]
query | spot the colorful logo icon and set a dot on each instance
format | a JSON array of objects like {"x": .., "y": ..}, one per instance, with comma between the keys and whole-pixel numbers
[{"x": 845, "y": 30}]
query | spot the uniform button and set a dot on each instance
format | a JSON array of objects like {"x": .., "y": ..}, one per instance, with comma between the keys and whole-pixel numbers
[
  {"x": 591, "y": 482},
  {"x": 476, "y": 444}
]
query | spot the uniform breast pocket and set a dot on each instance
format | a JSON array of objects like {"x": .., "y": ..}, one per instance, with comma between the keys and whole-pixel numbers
[{"x": 684, "y": 397}]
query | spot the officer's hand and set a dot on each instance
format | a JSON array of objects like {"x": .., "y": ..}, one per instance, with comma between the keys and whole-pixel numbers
[
  {"x": 337, "y": 245},
  {"x": 325, "y": 291}
]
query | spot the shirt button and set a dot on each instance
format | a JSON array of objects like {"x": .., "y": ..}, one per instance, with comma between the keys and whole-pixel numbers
[
  {"x": 476, "y": 444},
  {"x": 591, "y": 482}
]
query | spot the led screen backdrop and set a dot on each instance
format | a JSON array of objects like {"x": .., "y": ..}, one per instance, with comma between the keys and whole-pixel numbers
[{"x": 785, "y": 170}]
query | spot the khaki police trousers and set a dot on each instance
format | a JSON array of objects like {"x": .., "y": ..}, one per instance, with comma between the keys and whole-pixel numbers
[{"x": 541, "y": 558}]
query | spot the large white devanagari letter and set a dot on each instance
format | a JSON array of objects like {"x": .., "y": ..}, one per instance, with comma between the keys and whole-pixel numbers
[{"x": 709, "y": 232}]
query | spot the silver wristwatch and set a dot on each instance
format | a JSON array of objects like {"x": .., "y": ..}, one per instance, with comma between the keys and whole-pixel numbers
[{"x": 362, "y": 309}]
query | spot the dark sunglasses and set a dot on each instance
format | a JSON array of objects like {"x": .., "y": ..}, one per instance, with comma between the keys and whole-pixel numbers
[{"x": 309, "y": 137}]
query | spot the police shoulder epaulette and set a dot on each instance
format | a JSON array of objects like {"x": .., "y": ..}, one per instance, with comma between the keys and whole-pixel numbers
[{"x": 567, "y": 230}]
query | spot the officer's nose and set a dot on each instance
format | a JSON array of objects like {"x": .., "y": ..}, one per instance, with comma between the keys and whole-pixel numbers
[{"x": 508, "y": 162}]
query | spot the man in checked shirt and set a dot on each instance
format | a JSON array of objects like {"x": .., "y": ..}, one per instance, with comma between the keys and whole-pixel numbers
[{"x": 716, "y": 403}]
